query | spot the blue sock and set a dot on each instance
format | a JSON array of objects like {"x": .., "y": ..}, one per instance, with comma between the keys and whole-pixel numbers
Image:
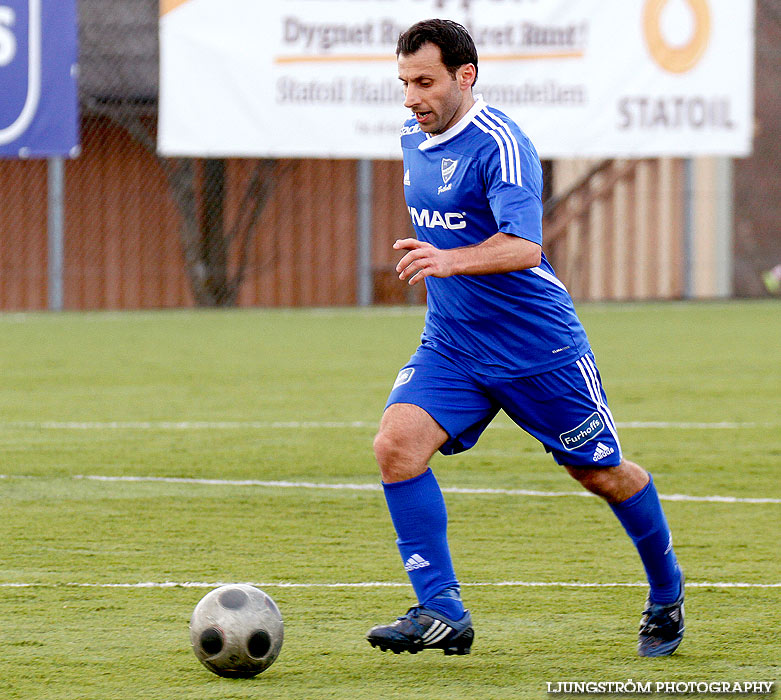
[
  {"x": 644, "y": 522},
  {"x": 418, "y": 512},
  {"x": 448, "y": 602}
]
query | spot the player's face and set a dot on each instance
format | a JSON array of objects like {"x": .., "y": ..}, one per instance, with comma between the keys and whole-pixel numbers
[{"x": 430, "y": 91}]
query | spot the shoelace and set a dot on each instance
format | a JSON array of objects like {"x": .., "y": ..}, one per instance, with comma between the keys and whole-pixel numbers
[{"x": 412, "y": 614}]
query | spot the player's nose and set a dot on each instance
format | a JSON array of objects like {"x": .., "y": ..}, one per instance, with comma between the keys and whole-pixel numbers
[{"x": 411, "y": 97}]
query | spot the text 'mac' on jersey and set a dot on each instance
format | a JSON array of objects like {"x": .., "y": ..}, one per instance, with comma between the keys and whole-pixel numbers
[{"x": 462, "y": 186}]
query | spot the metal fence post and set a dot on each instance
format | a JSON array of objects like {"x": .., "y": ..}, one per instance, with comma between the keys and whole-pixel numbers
[
  {"x": 56, "y": 230},
  {"x": 365, "y": 193}
]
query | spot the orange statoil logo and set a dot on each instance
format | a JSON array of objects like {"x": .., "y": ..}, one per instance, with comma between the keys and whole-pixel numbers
[{"x": 671, "y": 57}]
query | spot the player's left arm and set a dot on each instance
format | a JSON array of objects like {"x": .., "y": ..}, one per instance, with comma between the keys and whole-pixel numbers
[{"x": 499, "y": 253}]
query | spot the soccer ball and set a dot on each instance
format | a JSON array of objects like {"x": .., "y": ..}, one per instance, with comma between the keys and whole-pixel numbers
[{"x": 236, "y": 631}]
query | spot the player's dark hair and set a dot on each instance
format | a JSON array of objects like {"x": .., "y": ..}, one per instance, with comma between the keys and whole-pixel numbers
[{"x": 453, "y": 40}]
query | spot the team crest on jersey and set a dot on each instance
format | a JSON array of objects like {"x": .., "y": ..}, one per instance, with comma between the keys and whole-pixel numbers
[{"x": 448, "y": 168}]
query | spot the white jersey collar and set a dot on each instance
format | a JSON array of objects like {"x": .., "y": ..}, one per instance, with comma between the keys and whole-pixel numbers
[{"x": 457, "y": 128}]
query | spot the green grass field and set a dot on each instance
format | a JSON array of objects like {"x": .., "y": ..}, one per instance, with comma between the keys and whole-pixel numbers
[{"x": 294, "y": 396}]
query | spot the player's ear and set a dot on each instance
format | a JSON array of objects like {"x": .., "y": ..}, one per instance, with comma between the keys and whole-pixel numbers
[{"x": 465, "y": 75}]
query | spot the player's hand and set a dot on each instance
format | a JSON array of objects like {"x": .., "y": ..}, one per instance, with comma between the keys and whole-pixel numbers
[{"x": 423, "y": 260}]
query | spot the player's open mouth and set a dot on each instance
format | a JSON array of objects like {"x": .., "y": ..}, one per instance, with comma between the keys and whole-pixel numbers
[{"x": 422, "y": 116}]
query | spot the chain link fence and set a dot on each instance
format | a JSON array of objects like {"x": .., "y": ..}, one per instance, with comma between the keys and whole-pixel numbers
[
  {"x": 143, "y": 231},
  {"x": 209, "y": 232},
  {"x": 148, "y": 232}
]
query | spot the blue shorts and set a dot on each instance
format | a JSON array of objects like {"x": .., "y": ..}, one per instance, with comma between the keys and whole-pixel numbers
[{"x": 565, "y": 409}]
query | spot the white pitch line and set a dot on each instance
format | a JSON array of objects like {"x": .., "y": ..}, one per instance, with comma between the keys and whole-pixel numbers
[
  {"x": 311, "y": 425},
  {"x": 225, "y": 482},
  {"x": 385, "y": 584},
  {"x": 377, "y": 487},
  {"x": 184, "y": 425},
  {"x": 719, "y": 425}
]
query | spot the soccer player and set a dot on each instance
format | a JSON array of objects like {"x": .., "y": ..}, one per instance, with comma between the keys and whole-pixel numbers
[{"x": 501, "y": 332}]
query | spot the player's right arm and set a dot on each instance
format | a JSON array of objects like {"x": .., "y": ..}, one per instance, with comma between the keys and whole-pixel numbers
[{"x": 499, "y": 253}]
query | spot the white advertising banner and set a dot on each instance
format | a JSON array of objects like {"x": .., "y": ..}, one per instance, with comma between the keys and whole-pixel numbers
[{"x": 583, "y": 78}]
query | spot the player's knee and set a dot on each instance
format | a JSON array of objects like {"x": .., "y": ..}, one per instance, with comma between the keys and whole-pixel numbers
[
  {"x": 387, "y": 449},
  {"x": 614, "y": 484},
  {"x": 392, "y": 455},
  {"x": 598, "y": 481}
]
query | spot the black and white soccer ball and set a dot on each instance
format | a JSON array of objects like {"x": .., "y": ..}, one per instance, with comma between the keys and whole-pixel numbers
[{"x": 236, "y": 631}]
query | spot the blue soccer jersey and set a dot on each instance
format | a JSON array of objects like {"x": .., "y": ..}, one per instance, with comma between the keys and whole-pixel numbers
[{"x": 480, "y": 177}]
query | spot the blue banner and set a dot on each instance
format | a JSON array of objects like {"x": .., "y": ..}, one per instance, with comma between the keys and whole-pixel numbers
[{"x": 38, "y": 69}]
